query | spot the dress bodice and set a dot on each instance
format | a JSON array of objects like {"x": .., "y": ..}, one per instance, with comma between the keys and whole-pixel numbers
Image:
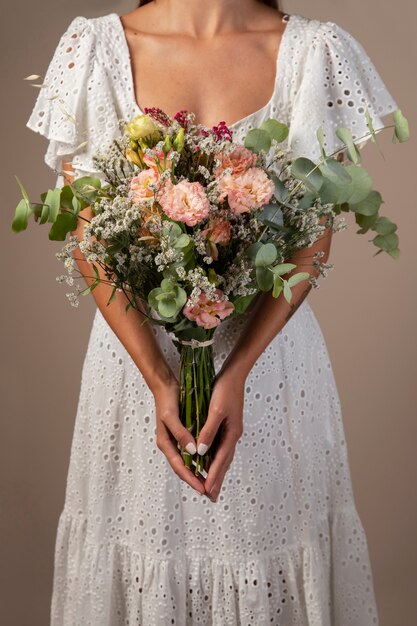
[{"x": 324, "y": 78}]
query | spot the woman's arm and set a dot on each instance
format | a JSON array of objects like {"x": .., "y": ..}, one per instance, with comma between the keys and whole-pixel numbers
[
  {"x": 268, "y": 317},
  {"x": 138, "y": 339}
]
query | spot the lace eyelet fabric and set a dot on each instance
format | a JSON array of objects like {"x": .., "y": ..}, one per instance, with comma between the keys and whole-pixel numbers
[{"x": 284, "y": 544}]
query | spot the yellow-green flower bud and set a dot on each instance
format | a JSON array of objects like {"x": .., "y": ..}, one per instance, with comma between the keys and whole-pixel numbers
[
  {"x": 212, "y": 276},
  {"x": 133, "y": 144},
  {"x": 167, "y": 145},
  {"x": 133, "y": 156},
  {"x": 178, "y": 144}
]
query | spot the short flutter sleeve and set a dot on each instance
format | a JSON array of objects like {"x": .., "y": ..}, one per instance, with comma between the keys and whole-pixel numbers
[
  {"x": 338, "y": 83},
  {"x": 78, "y": 109}
]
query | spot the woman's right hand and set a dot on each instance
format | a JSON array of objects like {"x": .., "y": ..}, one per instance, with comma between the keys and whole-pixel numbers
[{"x": 170, "y": 430}]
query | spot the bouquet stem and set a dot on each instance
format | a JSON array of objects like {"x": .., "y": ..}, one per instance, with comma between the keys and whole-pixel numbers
[{"x": 196, "y": 383}]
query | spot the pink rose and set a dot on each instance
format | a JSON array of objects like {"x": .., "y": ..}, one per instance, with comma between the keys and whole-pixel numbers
[
  {"x": 239, "y": 159},
  {"x": 209, "y": 313},
  {"x": 185, "y": 202},
  {"x": 247, "y": 191},
  {"x": 151, "y": 159},
  {"x": 139, "y": 189}
]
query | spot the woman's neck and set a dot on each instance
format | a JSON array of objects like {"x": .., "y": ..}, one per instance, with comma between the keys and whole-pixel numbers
[{"x": 202, "y": 18}]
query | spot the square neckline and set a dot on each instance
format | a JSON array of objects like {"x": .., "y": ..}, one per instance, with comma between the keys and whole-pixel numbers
[{"x": 281, "y": 48}]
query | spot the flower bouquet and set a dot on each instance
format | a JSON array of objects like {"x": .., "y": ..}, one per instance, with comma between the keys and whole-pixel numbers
[{"x": 191, "y": 226}]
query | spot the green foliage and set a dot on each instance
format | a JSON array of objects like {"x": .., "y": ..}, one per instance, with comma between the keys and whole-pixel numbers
[
  {"x": 168, "y": 299},
  {"x": 260, "y": 139},
  {"x": 401, "y": 127},
  {"x": 308, "y": 172}
]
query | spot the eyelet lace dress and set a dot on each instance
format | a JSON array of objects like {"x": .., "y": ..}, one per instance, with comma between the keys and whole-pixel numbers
[{"x": 284, "y": 544}]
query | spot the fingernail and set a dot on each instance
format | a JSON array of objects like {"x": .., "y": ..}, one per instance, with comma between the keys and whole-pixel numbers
[
  {"x": 190, "y": 447},
  {"x": 202, "y": 448}
]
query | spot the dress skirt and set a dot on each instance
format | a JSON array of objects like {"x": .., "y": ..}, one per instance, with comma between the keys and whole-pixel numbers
[{"x": 283, "y": 545}]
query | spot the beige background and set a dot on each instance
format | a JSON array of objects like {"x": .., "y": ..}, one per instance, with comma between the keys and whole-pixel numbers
[{"x": 367, "y": 308}]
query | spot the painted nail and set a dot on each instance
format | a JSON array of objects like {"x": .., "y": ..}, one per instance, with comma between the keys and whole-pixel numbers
[
  {"x": 202, "y": 448},
  {"x": 190, "y": 447}
]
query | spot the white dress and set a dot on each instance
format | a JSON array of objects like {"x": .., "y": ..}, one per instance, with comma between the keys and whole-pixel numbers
[{"x": 284, "y": 544}]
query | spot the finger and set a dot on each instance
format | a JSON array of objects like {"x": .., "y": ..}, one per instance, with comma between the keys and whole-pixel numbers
[
  {"x": 169, "y": 448},
  {"x": 210, "y": 428},
  {"x": 180, "y": 433},
  {"x": 221, "y": 460}
]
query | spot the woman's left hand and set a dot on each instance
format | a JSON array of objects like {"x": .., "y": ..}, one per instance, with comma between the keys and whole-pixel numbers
[{"x": 225, "y": 410}]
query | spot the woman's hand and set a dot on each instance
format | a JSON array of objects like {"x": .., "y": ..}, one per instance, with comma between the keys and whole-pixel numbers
[
  {"x": 170, "y": 430},
  {"x": 225, "y": 412}
]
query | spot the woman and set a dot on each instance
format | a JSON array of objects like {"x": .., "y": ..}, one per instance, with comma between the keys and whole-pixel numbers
[{"x": 277, "y": 538}]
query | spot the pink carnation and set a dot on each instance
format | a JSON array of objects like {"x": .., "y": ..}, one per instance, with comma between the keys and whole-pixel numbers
[
  {"x": 139, "y": 189},
  {"x": 185, "y": 202},
  {"x": 217, "y": 231},
  {"x": 247, "y": 191},
  {"x": 209, "y": 313},
  {"x": 151, "y": 159},
  {"x": 239, "y": 159}
]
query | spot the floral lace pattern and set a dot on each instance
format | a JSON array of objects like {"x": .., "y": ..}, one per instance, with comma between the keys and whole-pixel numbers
[{"x": 284, "y": 544}]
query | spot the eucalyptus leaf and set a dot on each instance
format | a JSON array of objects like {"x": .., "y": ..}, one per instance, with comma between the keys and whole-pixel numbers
[
  {"x": 52, "y": 199},
  {"x": 297, "y": 278},
  {"x": 394, "y": 252},
  {"x": 281, "y": 192},
  {"x": 64, "y": 223},
  {"x": 333, "y": 170},
  {"x": 20, "y": 220},
  {"x": 401, "y": 130},
  {"x": 271, "y": 215},
  {"x": 320, "y": 137},
  {"x": 370, "y": 126},
  {"x": 369, "y": 205},
  {"x": 253, "y": 249},
  {"x": 277, "y": 288},
  {"x": 384, "y": 226},
  {"x": 365, "y": 222},
  {"x": 264, "y": 278},
  {"x": 386, "y": 242},
  {"x": 283, "y": 268},
  {"x": 345, "y": 135},
  {"x": 307, "y": 200},
  {"x": 308, "y": 172},
  {"x": 241, "y": 303},
  {"x": 257, "y": 140},
  {"x": 266, "y": 255},
  {"x": 275, "y": 129},
  {"x": 287, "y": 292}
]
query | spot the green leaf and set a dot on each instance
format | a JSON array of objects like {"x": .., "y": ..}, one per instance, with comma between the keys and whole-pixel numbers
[
  {"x": 20, "y": 220},
  {"x": 283, "y": 268},
  {"x": 386, "y": 242},
  {"x": 401, "y": 130},
  {"x": 264, "y": 278},
  {"x": 320, "y": 137},
  {"x": 271, "y": 215},
  {"x": 345, "y": 135},
  {"x": 182, "y": 241},
  {"x": 353, "y": 191},
  {"x": 369, "y": 205},
  {"x": 253, "y": 249},
  {"x": 257, "y": 140},
  {"x": 394, "y": 252},
  {"x": 335, "y": 171},
  {"x": 277, "y": 288},
  {"x": 52, "y": 199},
  {"x": 266, "y": 255},
  {"x": 297, "y": 278},
  {"x": 90, "y": 288},
  {"x": 370, "y": 126},
  {"x": 44, "y": 214},
  {"x": 23, "y": 190},
  {"x": 384, "y": 226},
  {"x": 112, "y": 296},
  {"x": 167, "y": 308},
  {"x": 64, "y": 223},
  {"x": 86, "y": 187},
  {"x": 307, "y": 171},
  {"x": 287, "y": 292},
  {"x": 241, "y": 303},
  {"x": 281, "y": 192},
  {"x": 365, "y": 221},
  {"x": 275, "y": 129},
  {"x": 307, "y": 200},
  {"x": 67, "y": 195}
]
